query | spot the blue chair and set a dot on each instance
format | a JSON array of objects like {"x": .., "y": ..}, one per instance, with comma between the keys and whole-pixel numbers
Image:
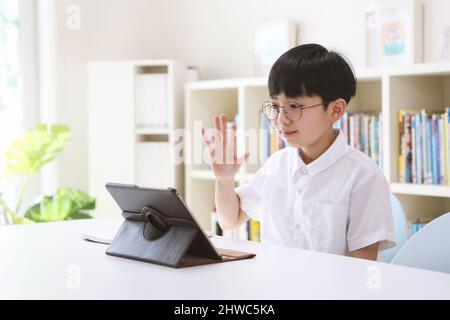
[
  {"x": 429, "y": 248},
  {"x": 400, "y": 227}
]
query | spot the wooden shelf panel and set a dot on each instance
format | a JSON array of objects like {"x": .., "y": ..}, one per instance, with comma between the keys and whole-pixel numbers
[
  {"x": 152, "y": 131},
  {"x": 421, "y": 190},
  {"x": 209, "y": 175}
]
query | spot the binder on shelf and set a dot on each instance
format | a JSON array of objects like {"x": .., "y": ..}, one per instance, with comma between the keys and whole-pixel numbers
[{"x": 151, "y": 100}]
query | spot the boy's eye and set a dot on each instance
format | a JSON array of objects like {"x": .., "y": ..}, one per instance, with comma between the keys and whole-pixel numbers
[{"x": 294, "y": 106}]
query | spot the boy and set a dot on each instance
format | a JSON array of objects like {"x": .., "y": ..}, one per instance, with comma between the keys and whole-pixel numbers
[{"x": 317, "y": 193}]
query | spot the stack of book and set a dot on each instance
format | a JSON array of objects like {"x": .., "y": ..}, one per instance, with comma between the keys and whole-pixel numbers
[
  {"x": 424, "y": 147},
  {"x": 151, "y": 94},
  {"x": 364, "y": 132},
  {"x": 269, "y": 139},
  {"x": 415, "y": 225}
]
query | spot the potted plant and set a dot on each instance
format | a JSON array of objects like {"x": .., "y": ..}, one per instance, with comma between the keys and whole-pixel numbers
[{"x": 24, "y": 158}]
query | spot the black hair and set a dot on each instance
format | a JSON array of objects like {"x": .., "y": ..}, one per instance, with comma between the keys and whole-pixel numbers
[{"x": 311, "y": 69}]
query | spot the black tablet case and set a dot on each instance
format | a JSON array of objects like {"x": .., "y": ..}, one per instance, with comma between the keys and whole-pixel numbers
[{"x": 181, "y": 243}]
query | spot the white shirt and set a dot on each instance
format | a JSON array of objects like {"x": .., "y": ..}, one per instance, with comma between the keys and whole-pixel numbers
[{"x": 338, "y": 203}]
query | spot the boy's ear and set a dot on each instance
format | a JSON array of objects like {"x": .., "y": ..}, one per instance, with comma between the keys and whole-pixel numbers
[{"x": 337, "y": 109}]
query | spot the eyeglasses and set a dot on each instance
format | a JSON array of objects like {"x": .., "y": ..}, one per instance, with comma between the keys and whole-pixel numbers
[{"x": 293, "y": 111}]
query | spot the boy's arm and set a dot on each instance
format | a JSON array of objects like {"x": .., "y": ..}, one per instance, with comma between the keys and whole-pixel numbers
[
  {"x": 369, "y": 252},
  {"x": 222, "y": 149},
  {"x": 228, "y": 205}
]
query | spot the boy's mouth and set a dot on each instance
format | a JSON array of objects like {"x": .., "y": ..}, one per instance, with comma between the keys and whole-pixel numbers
[{"x": 287, "y": 133}]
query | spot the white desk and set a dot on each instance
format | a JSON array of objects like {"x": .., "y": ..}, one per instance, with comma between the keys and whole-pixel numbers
[{"x": 52, "y": 261}]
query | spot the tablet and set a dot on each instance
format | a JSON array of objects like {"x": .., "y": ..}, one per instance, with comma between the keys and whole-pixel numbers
[{"x": 169, "y": 206}]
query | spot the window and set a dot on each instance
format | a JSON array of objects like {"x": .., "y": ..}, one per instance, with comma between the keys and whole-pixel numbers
[{"x": 10, "y": 80}]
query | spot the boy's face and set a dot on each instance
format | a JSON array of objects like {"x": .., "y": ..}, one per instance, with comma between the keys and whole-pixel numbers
[{"x": 313, "y": 124}]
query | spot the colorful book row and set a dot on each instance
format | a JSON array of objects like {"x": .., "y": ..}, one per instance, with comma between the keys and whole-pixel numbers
[
  {"x": 269, "y": 139},
  {"x": 424, "y": 147},
  {"x": 364, "y": 132}
]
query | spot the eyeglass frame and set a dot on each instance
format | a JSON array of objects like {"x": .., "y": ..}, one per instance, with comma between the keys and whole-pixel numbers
[{"x": 285, "y": 108}]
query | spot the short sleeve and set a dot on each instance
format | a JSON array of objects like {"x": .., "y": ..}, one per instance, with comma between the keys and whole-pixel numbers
[
  {"x": 370, "y": 214},
  {"x": 250, "y": 194}
]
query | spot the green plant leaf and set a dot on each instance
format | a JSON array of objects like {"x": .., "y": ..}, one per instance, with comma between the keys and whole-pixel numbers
[
  {"x": 16, "y": 219},
  {"x": 79, "y": 215},
  {"x": 65, "y": 204},
  {"x": 38, "y": 146}
]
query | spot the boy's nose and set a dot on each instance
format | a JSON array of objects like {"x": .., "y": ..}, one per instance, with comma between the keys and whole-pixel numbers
[{"x": 282, "y": 118}]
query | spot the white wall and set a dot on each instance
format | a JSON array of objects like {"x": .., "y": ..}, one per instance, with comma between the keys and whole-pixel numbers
[{"x": 211, "y": 34}]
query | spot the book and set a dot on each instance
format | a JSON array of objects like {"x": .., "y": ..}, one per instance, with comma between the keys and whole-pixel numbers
[
  {"x": 441, "y": 151},
  {"x": 413, "y": 150},
  {"x": 416, "y": 225},
  {"x": 418, "y": 144},
  {"x": 269, "y": 140},
  {"x": 447, "y": 136},
  {"x": 151, "y": 100},
  {"x": 402, "y": 155},
  {"x": 424, "y": 147},
  {"x": 254, "y": 230}
]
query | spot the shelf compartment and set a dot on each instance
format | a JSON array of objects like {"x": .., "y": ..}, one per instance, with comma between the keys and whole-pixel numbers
[
  {"x": 429, "y": 92},
  {"x": 201, "y": 106}
]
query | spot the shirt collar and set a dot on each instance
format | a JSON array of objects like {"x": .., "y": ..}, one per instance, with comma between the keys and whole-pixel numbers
[{"x": 337, "y": 149}]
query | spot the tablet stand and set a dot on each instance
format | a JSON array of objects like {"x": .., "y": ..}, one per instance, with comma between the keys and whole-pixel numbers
[{"x": 152, "y": 237}]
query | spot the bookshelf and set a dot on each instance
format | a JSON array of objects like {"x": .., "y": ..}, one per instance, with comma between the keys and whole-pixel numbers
[
  {"x": 134, "y": 107},
  {"x": 385, "y": 90}
]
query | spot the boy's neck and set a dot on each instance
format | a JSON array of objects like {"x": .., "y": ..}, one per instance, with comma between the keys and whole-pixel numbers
[{"x": 312, "y": 152}]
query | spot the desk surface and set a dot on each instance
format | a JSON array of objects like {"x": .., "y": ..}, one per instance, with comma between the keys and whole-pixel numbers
[{"x": 51, "y": 260}]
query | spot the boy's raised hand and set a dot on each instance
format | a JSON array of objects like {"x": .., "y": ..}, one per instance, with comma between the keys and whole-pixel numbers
[{"x": 222, "y": 150}]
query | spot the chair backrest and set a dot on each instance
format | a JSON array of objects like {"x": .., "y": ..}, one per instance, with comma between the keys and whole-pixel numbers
[
  {"x": 429, "y": 248},
  {"x": 401, "y": 230}
]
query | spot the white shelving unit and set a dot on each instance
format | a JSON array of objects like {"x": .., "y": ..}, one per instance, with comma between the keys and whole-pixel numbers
[
  {"x": 115, "y": 140},
  {"x": 421, "y": 86}
]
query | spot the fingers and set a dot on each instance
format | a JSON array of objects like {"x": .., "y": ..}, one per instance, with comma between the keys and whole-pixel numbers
[
  {"x": 217, "y": 127},
  {"x": 219, "y": 160},
  {"x": 243, "y": 158},
  {"x": 223, "y": 121},
  {"x": 233, "y": 127},
  {"x": 205, "y": 139},
  {"x": 219, "y": 138},
  {"x": 220, "y": 124}
]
